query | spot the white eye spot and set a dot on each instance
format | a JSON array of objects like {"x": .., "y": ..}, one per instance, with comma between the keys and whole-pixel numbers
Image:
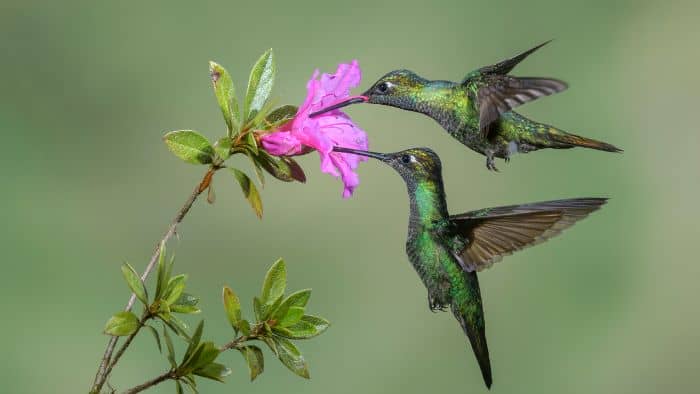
[{"x": 413, "y": 159}]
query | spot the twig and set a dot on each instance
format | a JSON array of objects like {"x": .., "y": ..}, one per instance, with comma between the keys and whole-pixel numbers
[
  {"x": 105, "y": 365},
  {"x": 151, "y": 383},
  {"x": 234, "y": 344}
]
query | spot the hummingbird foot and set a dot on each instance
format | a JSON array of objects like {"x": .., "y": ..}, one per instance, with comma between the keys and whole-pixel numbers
[
  {"x": 435, "y": 305},
  {"x": 490, "y": 162}
]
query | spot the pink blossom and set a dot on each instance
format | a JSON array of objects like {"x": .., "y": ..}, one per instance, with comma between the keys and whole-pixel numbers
[{"x": 323, "y": 132}]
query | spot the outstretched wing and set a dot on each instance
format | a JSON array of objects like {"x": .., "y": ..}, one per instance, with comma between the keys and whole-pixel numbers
[
  {"x": 496, "y": 232},
  {"x": 497, "y": 92}
]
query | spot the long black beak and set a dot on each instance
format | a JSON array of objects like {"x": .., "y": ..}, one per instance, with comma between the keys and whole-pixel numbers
[
  {"x": 378, "y": 156},
  {"x": 350, "y": 101}
]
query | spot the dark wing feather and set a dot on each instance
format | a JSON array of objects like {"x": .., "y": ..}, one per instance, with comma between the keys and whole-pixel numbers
[
  {"x": 499, "y": 94},
  {"x": 496, "y": 232},
  {"x": 506, "y": 66}
]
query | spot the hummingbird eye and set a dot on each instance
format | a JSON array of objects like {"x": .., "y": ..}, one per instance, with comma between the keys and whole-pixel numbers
[
  {"x": 405, "y": 159},
  {"x": 383, "y": 87}
]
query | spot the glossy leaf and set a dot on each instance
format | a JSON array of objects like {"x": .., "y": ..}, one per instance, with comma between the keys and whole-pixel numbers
[
  {"x": 156, "y": 336},
  {"x": 244, "y": 327},
  {"x": 293, "y": 315},
  {"x": 194, "y": 341},
  {"x": 258, "y": 309},
  {"x": 290, "y": 356},
  {"x": 175, "y": 288},
  {"x": 250, "y": 192},
  {"x": 187, "y": 303},
  {"x": 190, "y": 146},
  {"x": 285, "y": 169},
  {"x": 122, "y": 324},
  {"x": 298, "y": 330},
  {"x": 275, "y": 282},
  {"x": 320, "y": 323},
  {"x": 213, "y": 371},
  {"x": 298, "y": 298},
  {"x": 262, "y": 78},
  {"x": 169, "y": 346},
  {"x": 279, "y": 116},
  {"x": 178, "y": 326},
  {"x": 226, "y": 96},
  {"x": 135, "y": 283},
  {"x": 232, "y": 305},
  {"x": 255, "y": 360},
  {"x": 163, "y": 272},
  {"x": 222, "y": 147}
]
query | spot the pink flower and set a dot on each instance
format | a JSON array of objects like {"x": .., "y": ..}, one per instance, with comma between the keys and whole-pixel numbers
[{"x": 323, "y": 132}]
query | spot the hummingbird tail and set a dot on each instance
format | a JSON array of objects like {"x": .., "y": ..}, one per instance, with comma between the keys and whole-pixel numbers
[
  {"x": 563, "y": 140},
  {"x": 470, "y": 316}
]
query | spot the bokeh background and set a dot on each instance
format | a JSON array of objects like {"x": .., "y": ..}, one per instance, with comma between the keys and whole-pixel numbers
[{"x": 87, "y": 90}]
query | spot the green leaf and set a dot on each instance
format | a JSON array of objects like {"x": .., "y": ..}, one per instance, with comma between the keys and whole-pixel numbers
[
  {"x": 292, "y": 316},
  {"x": 178, "y": 326},
  {"x": 245, "y": 327},
  {"x": 298, "y": 298},
  {"x": 249, "y": 191},
  {"x": 257, "y": 167},
  {"x": 298, "y": 330},
  {"x": 170, "y": 347},
  {"x": 190, "y": 146},
  {"x": 271, "y": 344},
  {"x": 290, "y": 356},
  {"x": 178, "y": 387},
  {"x": 135, "y": 283},
  {"x": 258, "y": 309},
  {"x": 206, "y": 356},
  {"x": 213, "y": 371},
  {"x": 156, "y": 336},
  {"x": 226, "y": 96},
  {"x": 190, "y": 382},
  {"x": 255, "y": 360},
  {"x": 285, "y": 168},
  {"x": 320, "y": 323},
  {"x": 187, "y": 303},
  {"x": 222, "y": 147},
  {"x": 262, "y": 78},
  {"x": 163, "y": 272},
  {"x": 176, "y": 285},
  {"x": 308, "y": 327},
  {"x": 295, "y": 170},
  {"x": 122, "y": 324},
  {"x": 275, "y": 282},
  {"x": 196, "y": 337},
  {"x": 280, "y": 116},
  {"x": 232, "y": 305}
]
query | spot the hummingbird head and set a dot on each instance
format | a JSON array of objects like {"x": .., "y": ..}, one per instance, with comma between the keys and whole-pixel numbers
[
  {"x": 415, "y": 165},
  {"x": 399, "y": 88}
]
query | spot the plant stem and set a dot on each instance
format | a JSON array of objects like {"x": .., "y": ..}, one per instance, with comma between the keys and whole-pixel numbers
[
  {"x": 159, "y": 379},
  {"x": 234, "y": 344},
  {"x": 106, "y": 364},
  {"x": 171, "y": 373}
]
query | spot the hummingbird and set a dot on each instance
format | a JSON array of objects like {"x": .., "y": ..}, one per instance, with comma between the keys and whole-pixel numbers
[
  {"x": 447, "y": 250},
  {"x": 478, "y": 110}
]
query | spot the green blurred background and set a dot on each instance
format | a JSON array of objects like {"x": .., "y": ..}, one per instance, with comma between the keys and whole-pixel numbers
[{"x": 88, "y": 89}]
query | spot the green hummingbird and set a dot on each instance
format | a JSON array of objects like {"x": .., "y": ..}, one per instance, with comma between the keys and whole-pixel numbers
[
  {"x": 477, "y": 111},
  {"x": 447, "y": 250}
]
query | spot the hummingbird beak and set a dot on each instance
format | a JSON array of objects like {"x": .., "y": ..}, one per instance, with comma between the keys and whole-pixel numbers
[
  {"x": 375, "y": 155},
  {"x": 349, "y": 101}
]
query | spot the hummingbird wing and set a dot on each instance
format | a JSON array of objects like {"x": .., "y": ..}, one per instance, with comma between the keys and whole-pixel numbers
[
  {"x": 497, "y": 92},
  {"x": 492, "y": 233}
]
